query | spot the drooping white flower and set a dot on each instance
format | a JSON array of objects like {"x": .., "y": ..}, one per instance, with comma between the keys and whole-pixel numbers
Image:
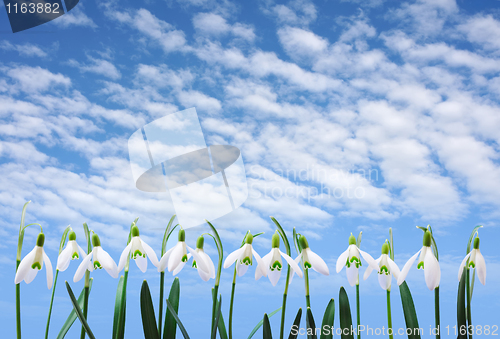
[
  {"x": 273, "y": 262},
  {"x": 387, "y": 267},
  {"x": 243, "y": 258},
  {"x": 310, "y": 259},
  {"x": 427, "y": 262},
  {"x": 177, "y": 256},
  {"x": 100, "y": 259},
  {"x": 207, "y": 262},
  {"x": 351, "y": 259},
  {"x": 33, "y": 262},
  {"x": 138, "y": 250},
  {"x": 71, "y": 251},
  {"x": 476, "y": 260}
]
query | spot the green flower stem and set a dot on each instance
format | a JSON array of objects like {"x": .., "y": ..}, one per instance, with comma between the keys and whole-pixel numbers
[
  {"x": 468, "y": 296},
  {"x": 160, "y": 306},
  {"x": 358, "y": 311},
  {"x": 306, "y": 282},
  {"x": 18, "y": 305},
  {"x": 85, "y": 301},
  {"x": 50, "y": 307},
  {"x": 168, "y": 231},
  {"x": 220, "y": 252},
  {"x": 389, "y": 316},
  {"x": 436, "y": 311},
  {"x": 231, "y": 305}
]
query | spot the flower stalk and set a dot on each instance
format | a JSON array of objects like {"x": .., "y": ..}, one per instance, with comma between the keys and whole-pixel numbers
[
  {"x": 168, "y": 231},
  {"x": 86, "y": 290}
]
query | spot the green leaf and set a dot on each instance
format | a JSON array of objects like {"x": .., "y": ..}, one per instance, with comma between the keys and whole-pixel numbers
[
  {"x": 63, "y": 238},
  {"x": 170, "y": 327},
  {"x": 409, "y": 311},
  {"x": 295, "y": 325},
  {"x": 283, "y": 235},
  {"x": 148, "y": 313},
  {"x": 120, "y": 305},
  {"x": 220, "y": 324},
  {"x": 461, "y": 310},
  {"x": 310, "y": 325},
  {"x": 259, "y": 324},
  {"x": 72, "y": 315},
  {"x": 217, "y": 317},
  {"x": 296, "y": 241},
  {"x": 266, "y": 328},
  {"x": 176, "y": 317},
  {"x": 345, "y": 315},
  {"x": 328, "y": 318},
  {"x": 79, "y": 312},
  {"x": 358, "y": 241},
  {"x": 168, "y": 231}
]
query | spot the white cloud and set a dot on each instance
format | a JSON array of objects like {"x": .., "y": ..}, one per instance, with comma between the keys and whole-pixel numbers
[
  {"x": 484, "y": 30},
  {"x": 26, "y": 49},
  {"x": 36, "y": 79},
  {"x": 97, "y": 66},
  {"x": 214, "y": 24},
  {"x": 75, "y": 18}
]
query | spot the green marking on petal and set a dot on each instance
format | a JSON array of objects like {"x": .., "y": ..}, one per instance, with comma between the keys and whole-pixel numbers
[
  {"x": 97, "y": 265},
  {"x": 184, "y": 258},
  {"x": 137, "y": 253},
  {"x": 247, "y": 261},
  {"x": 420, "y": 265},
  {"x": 384, "y": 269},
  {"x": 36, "y": 265},
  {"x": 75, "y": 256},
  {"x": 471, "y": 264},
  {"x": 194, "y": 264},
  {"x": 307, "y": 265},
  {"x": 276, "y": 266}
]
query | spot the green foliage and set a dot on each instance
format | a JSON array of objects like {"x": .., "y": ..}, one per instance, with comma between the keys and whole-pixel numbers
[
  {"x": 310, "y": 325},
  {"x": 266, "y": 328},
  {"x": 295, "y": 325},
  {"x": 345, "y": 315},
  {"x": 72, "y": 315},
  {"x": 170, "y": 328},
  {"x": 461, "y": 310},
  {"x": 259, "y": 324},
  {"x": 79, "y": 312},
  {"x": 409, "y": 311},
  {"x": 176, "y": 317},
  {"x": 148, "y": 313},
  {"x": 328, "y": 319}
]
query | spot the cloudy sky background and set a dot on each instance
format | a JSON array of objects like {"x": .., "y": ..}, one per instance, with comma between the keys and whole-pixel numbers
[{"x": 350, "y": 116}]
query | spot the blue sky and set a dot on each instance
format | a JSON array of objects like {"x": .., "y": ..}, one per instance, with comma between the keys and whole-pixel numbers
[{"x": 397, "y": 102}]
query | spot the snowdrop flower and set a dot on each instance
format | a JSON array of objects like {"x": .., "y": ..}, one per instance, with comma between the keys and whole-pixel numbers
[
  {"x": 207, "y": 262},
  {"x": 273, "y": 263},
  {"x": 176, "y": 257},
  {"x": 427, "y": 262},
  {"x": 33, "y": 262},
  {"x": 138, "y": 250},
  {"x": 386, "y": 268},
  {"x": 310, "y": 259},
  {"x": 352, "y": 260},
  {"x": 476, "y": 260},
  {"x": 243, "y": 258},
  {"x": 71, "y": 252},
  {"x": 100, "y": 259}
]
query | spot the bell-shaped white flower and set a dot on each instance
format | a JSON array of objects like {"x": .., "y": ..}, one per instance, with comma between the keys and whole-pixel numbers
[
  {"x": 138, "y": 250},
  {"x": 100, "y": 259},
  {"x": 476, "y": 260},
  {"x": 33, "y": 262},
  {"x": 427, "y": 262},
  {"x": 387, "y": 268},
  {"x": 202, "y": 256},
  {"x": 310, "y": 259},
  {"x": 176, "y": 257},
  {"x": 351, "y": 259},
  {"x": 71, "y": 251},
  {"x": 243, "y": 258},
  {"x": 273, "y": 262}
]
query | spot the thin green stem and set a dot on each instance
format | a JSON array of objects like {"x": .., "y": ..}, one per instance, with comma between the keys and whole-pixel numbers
[
  {"x": 50, "y": 307},
  {"x": 160, "y": 307},
  {"x": 436, "y": 311},
  {"x": 306, "y": 282},
  {"x": 85, "y": 301},
  {"x": 220, "y": 252},
  {"x": 468, "y": 295},
  {"x": 358, "y": 311},
  {"x": 18, "y": 305},
  {"x": 389, "y": 316},
  {"x": 231, "y": 305}
]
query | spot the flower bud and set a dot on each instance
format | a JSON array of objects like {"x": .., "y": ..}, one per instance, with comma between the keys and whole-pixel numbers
[
  {"x": 249, "y": 239},
  {"x": 135, "y": 231},
  {"x": 303, "y": 242},
  {"x": 352, "y": 240},
  {"x": 182, "y": 235},
  {"x": 40, "y": 240},
  {"x": 275, "y": 240},
  {"x": 427, "y": 239},
  {"x": 95, "y": 240},
  {"x": 476, "y": 243},
  {"x": 72, "y": 236},
  {"x": 200, "y": 242},
  {"x": 385, "y": 248}
]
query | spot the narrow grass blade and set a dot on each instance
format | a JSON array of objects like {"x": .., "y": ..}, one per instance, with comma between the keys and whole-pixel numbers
[
  {"x": 266, "y": 328},
  {"x": 120, "y": 303},
  {"x": 328, "y": 319},
  {"x": 79, "y": 312},
  {"x": 72, "y": 315},
  {"x": 345, "y": 315},
  {"x": 220, "y": 324},
  {"x": 176, "y": 317},
  {"x": 409, "y": 312},
  {"x": 259, "y": 324},
  {"x": 148, "y": 313},
  {"x": 170, "y": 327},
  {"x": 461, "y": 310},
  {"x": 217, "y": 317},
  {"x": 310, "y": 325},
  {"x": 294, "y": 331}
]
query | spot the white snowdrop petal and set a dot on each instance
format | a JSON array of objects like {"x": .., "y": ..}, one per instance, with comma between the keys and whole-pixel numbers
[
  {"x": 406, "y": 268},
  {"x": 48, "y": 267}
]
